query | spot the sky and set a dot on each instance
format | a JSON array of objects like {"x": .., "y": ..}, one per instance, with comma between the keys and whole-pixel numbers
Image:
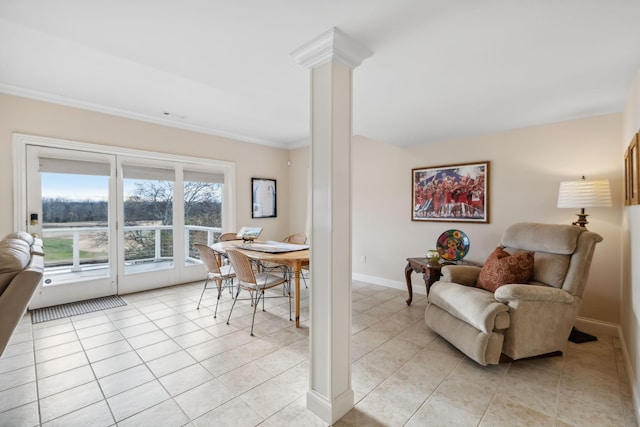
[
  {"x": 82, "y": 187},
  {"x": 79, "y": 187}
]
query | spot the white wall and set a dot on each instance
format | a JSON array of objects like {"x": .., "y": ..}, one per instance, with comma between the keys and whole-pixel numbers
[
  {"x": 630, "y": 309},
  {"x": 21, "y": 115}
]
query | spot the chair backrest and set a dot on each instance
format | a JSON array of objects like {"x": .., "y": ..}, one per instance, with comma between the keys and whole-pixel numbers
[
  {"x": 297, "y": 239},
  {"x": 563, "y": 253},
  {"x": 208, "y": 258},
  {"x": 242, "y": 266},
  {"x": 225, "y": 237}
]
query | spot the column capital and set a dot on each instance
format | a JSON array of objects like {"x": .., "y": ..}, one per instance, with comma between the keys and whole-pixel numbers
[{"x": 331, "y": 45}]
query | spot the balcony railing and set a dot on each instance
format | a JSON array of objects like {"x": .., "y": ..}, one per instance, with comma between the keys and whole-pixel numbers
[{"x": 76, "y": 263}]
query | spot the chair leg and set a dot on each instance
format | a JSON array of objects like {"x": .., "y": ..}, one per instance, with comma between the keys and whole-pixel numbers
[
  {"x": 215, "y": 313},
  {"x": 203, "y": 289},
  {"x": 253, "y": 299},
  {"x": 230, "y": 285},
  {"x": 253, "y": 320},
  {"x": 233, "y": 305},
  {"x": 288, "y": 274}
]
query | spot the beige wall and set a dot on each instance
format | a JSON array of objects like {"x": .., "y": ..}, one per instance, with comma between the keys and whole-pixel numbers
[
  {"x": 630, "y": 308},
  {"x": 299, "y": 177},
  {"x": 21, "y": 115},
  {"x": 526, "y": 168}
]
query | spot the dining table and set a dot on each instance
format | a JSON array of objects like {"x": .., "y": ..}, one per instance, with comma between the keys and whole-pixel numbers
[{"x": 294, "y": 259}]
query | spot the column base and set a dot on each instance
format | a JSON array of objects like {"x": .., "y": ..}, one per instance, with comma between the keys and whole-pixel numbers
[{"x": 330, "y": 412}]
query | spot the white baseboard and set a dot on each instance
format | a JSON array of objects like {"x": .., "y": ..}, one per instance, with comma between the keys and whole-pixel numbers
[
  {"x": 631, "y": 375},
  {"x": 395, "y": 284},
  {"x": 597, "y": 327}
]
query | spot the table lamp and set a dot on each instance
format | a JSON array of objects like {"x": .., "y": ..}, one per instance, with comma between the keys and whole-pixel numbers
[{"x": 584, "y": 194}]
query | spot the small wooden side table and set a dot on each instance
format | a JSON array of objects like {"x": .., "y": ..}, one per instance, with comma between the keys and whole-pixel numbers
[{"x": 430, "y": 273}]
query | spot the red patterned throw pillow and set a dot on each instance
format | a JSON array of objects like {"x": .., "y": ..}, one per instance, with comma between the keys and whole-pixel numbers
[{"x": 502, "y": 268}]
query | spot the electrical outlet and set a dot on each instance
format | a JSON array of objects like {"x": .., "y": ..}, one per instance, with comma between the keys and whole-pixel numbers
[{"x": 363, "y": 259}]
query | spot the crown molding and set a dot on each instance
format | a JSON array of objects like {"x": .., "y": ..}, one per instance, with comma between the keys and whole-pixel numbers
[
  {"x": 74, "y": 103},
  {"x": 331, "y": 45}
]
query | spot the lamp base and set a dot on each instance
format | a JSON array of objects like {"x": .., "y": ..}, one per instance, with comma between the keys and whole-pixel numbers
[
  {"x": 582, "y": 220},
  {"x": 579, "y": 337}
]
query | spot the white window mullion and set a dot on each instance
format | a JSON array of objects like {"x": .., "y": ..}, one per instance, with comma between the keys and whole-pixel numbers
[{"x": 178, "y": 220}]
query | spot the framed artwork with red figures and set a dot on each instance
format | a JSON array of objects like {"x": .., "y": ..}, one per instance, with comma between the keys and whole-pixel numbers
[{"x": 451, "y": 193}]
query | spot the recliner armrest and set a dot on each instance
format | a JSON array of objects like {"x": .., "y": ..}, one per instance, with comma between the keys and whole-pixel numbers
[
  {"x": 463, "y": 274},
  {"x": 512, "y": 292}
]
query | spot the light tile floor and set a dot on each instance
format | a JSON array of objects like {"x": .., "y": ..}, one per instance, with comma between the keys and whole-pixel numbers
[{"x": 160, "y": 362}]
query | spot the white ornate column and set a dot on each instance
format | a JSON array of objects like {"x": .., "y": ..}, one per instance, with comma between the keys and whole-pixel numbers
[{"x": 331, "y": 57}]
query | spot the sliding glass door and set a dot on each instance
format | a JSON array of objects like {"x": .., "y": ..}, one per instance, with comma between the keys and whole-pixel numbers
[
  {"x": 166, "y": 209},
  {"x": 203, "y": 210},
  {"x": 71, "y": 205},
  {"x": 116, "y": 223},
  {"x": 148, "y": 233}
]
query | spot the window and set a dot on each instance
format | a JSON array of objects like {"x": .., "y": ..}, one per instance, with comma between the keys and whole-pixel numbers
[{"x": 203, "y": 200}]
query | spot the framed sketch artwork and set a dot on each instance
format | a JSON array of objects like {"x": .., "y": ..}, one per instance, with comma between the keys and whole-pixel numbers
[
  {"x": 452, "y": 193},
  {"x": 263, "y": 198}
]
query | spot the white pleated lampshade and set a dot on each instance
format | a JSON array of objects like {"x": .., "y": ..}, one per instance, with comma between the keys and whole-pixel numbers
[{"x": 584, "y": 194}]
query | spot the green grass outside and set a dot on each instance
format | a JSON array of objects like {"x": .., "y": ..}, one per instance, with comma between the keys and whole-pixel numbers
[{"x": 58, "y": 249}]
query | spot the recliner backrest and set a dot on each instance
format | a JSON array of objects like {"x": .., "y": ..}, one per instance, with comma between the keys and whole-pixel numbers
[{"x": 563, "y": 253}]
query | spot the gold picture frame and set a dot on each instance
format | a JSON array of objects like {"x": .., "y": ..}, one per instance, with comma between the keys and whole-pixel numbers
[
  {"x": 451, "y": 193},
  {"x": 631, "y": 172}
]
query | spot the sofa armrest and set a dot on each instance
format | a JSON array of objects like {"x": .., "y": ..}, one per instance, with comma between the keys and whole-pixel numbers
[
  {"x": 513, "y": 292},
  {"x": 463, "y": 274},
  {"x": 15, "y": 300}
]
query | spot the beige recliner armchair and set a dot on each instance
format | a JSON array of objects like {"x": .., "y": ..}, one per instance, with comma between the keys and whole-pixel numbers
[
  {"x": 21, "y": 268},
  {"x": 518, "y": 320}
]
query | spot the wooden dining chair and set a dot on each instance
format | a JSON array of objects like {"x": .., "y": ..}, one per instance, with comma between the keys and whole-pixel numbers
[
  {"x": 255, "y": 282},
  {"x": 222, "y": 274},
  {"x": 225, "y": 237},
  {"x": 296, "y": 238}
]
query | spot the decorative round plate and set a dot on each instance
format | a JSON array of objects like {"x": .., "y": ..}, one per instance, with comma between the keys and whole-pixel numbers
[{"x": 453, "y": 245}]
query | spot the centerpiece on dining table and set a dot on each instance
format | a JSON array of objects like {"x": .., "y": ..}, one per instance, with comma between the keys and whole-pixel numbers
[{"x": 249, "y": 234}]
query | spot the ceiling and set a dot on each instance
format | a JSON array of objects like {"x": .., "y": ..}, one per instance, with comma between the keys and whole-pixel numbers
[{"x": 441, "y": 69}]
